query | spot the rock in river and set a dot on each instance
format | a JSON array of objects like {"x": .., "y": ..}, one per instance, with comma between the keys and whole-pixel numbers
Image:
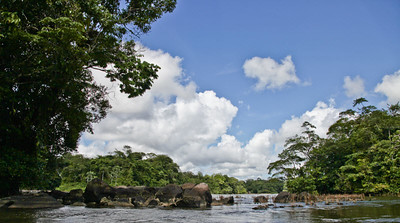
[
  {"x": 30, "y": 201},
  {"x": 96, "y": 190}
]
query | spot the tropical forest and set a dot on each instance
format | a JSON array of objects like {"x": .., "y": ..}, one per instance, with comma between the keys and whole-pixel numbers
[{"x": 359, "y": 155}]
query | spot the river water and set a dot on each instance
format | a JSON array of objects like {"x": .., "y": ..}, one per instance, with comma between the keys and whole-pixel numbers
[{"x": 376, "y": 210}]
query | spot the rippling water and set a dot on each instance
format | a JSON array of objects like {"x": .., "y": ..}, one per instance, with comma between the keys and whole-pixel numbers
[{"x": 380, "y": 210}]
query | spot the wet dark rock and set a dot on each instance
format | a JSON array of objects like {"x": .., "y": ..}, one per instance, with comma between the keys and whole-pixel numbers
[
  {"x": 169, "y": 194},
  {"x": 285, "y": 197},
  {"x": 59, "y": 195},
  {"x": 223, "y": 201},
  {"x": 96, "y": 190},
  {"x": 138, "y": 201},
  {"x": 151, "y": 203},
  {"x": 197, "y": 197},
  {"x": 260, "y": 199},
  {"x": 73, "y": 196},
  {"x": 78, "y": 204},
  {"x": 228, "y": 200},
  {"x": 30, "y": 201},
  {"x": 261, "y": 207}
]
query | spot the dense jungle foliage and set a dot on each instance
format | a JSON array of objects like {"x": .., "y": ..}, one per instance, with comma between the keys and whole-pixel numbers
[
  {"x": 48, "y": 97},
  {"x": 360, "y": 154},
  {"x": 136, "y": 169}
]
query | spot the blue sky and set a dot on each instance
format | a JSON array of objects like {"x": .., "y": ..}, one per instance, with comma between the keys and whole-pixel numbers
[
  {"x": 326, "y": 39},
  {"x": 255, "y": 70}
]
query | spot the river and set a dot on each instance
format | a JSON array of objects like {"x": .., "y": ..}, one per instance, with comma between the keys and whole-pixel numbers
[{"x": 376, "y": 210}]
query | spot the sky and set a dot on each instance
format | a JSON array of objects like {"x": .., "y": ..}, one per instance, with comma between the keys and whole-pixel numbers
[{"x": 238, "y": 78}]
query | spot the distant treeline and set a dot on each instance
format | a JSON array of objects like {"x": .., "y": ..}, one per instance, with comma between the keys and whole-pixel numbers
[
  {"x": 360, "y": 155},
  {"x": 148, "y": 169}
]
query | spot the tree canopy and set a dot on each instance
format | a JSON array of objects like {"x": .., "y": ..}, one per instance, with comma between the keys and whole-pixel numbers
[
  {"x": 47, "y": 92},
  {"x": 360, "y": 155},
  {"x": 128, "y": 168}
]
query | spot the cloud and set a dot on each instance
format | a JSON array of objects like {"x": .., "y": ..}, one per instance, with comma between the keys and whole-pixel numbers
[
  {"x": 191, "y": 127},
  {"x": 354, "y": 87},
  {"x": 171, "y": 118},
  {"x": 269, "y": 73},
  {"x": 251, "y": 160},
  {"x": 390, "y": 87}
]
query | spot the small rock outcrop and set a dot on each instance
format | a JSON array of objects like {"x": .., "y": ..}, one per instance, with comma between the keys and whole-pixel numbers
[
  {"x": 30, "y": 201},
  {"x": 260, "y": 199},
  {"x": 223, "y": 201}
]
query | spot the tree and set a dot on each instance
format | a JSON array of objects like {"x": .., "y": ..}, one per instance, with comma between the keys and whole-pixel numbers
[
  {"x": 47, "y": 93},
  {"x": 360, "y": 155},
  {"x": 297, "y": 151}
]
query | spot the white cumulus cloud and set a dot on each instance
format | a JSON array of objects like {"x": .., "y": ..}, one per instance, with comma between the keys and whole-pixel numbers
[
  {"x": 269, "y": 73},
  {"x": 354, "y": 88},
  {"x": 191, "y": 127},
  {"x": 251, "y": 160},
  {"x": 390, "y": 87},
  {"x": 171, "y": 118}
]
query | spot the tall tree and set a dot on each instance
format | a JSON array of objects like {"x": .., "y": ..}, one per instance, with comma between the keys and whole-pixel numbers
[
  {"x": 47, "y": 93},
  {"x": 360, "y": 155}
]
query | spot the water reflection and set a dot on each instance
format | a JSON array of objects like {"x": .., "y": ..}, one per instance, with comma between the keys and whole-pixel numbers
[{"x": 387, "y": 210}]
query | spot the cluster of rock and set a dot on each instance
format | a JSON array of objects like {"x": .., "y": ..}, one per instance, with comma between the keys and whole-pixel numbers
[
  {"x": 286, "y": 197},
  {"x": 303, "y": 197},
  {"x": 100, "y": 194},
  {"x": 223, "y": 201}
]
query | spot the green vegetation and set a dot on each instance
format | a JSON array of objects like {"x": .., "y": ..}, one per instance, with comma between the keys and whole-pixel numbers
[
  {"x": 259, "y": 186},
  {"x": 47, "y": 93},
  {"x": 360, "y": 155},
  {"x": 120, "y": 168},
  {"x": 147, "y": 169}
]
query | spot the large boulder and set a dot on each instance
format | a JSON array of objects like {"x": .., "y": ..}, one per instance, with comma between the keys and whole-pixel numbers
[
  {"x": 96, "y": 190},
  {"x": 285, "y": 197},
  {"x": 198, "y": 196},
  {"x": 169, "y": 194},
  {"x": 30, "y": 201}
]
